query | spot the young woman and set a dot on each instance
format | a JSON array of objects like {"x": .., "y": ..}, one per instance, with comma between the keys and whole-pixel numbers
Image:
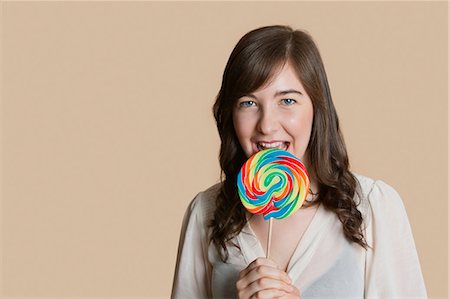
[{"x": 351, "y": 238}]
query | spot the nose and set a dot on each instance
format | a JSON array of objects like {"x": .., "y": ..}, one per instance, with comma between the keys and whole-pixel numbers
[{"x": 268, "y": 122}]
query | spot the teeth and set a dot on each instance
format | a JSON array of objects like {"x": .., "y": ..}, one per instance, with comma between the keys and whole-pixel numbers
[
  {"x": 279, "y": 145},
  {"x": 271, "y": 145}
]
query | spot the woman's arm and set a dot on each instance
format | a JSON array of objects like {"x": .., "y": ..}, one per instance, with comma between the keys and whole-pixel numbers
[
  {"x": 192, "y": 277},
  {"x": 392, "y": 266}
]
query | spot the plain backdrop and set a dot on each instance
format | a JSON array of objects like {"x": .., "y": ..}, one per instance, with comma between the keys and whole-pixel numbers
[{"x": 107, "y": 131}]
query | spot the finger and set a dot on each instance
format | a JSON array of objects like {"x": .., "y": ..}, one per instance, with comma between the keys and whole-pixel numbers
[
  {"x": 296, "y": 292},
  {"x": 268, "y": 294},
  {"x": 266, "y": 283},
  {"x": 267, "y": 271},
  {"x": 292, "y": 295},
  {"x": 260, "y": 272},
  {"x": 256, "y": 263}
]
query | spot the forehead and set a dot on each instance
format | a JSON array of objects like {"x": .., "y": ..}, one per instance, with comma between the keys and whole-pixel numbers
[{"x": 284, "y": 77}]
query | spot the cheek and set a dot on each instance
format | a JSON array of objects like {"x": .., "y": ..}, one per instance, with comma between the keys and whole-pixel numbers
[
  {"x": 242, "y": 126},
  {"x": 300, "y": 127}
]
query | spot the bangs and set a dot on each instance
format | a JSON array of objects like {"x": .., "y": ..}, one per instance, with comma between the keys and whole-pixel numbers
[
  {"x": 255, "y": 64},
  {"x": 254, "y": 76}
]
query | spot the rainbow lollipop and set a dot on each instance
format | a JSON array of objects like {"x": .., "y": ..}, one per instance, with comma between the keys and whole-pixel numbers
[{"x": 273, "y": 183}]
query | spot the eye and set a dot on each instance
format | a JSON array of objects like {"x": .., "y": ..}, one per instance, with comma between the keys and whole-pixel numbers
[
  {"x": 288, "y": 102},
  {"x": 246, "y": 104}
]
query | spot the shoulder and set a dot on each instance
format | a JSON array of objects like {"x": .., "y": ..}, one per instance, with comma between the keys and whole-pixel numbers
[
  {"x": 378, "y": 197},
  {"x": 204, "y": 203},
  {"x": 376, "y": 194},
  {"x": 377, "y": 190}
]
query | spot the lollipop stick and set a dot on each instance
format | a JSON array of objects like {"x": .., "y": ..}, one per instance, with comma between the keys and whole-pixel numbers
[{"x": 269, "y": 237}]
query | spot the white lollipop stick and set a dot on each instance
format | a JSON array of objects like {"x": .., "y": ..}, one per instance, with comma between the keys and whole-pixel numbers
[{"x": 269, "y": 237}]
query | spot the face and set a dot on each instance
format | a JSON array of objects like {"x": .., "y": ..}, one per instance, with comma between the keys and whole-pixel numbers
[{"x": 278, "y": 115}]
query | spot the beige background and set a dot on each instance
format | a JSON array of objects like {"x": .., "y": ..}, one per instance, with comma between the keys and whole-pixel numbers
[{"x": 107, "y": 130}]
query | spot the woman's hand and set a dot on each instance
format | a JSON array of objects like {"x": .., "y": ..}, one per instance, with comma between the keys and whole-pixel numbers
[
  {"x": 263, "y": 279},
  {"x": 295, "y": 294}
]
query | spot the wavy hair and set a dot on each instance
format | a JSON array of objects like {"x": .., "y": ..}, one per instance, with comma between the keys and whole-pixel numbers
[{"x": 253, "y": 61}]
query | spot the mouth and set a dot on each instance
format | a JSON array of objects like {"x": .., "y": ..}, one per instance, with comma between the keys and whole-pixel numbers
[{"x": 283, "y": 145}]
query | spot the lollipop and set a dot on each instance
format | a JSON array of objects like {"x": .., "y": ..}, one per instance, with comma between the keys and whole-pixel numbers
[{"x": 273, "y": 183}]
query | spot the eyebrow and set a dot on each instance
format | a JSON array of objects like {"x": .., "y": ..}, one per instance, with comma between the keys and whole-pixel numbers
[
  {"x": 279, "y": 93},
  {"x": 283, "y": 92}
]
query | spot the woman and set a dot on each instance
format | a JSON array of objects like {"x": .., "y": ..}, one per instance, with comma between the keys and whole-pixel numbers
[{"x": 351, "y": 239}]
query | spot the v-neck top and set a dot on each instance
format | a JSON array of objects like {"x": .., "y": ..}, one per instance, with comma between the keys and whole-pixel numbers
[
  {"x": 300, "y": 233},
  {"x": 324, "y": 263}
]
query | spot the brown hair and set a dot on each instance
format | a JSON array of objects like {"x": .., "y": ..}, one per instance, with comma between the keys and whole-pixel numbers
[{"x": 253, "y": 61}]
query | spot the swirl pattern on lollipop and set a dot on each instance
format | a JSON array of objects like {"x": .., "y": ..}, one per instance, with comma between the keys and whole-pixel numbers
[{"x": 274, "y": 183}]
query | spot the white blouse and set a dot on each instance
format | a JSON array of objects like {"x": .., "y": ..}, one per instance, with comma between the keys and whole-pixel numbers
[{"x": 324, "y": 264}]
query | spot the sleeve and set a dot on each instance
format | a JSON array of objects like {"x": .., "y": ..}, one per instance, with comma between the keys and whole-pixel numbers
[
  {"x": 392, "y": 264},
  {"x": 192, "y": 270}
]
